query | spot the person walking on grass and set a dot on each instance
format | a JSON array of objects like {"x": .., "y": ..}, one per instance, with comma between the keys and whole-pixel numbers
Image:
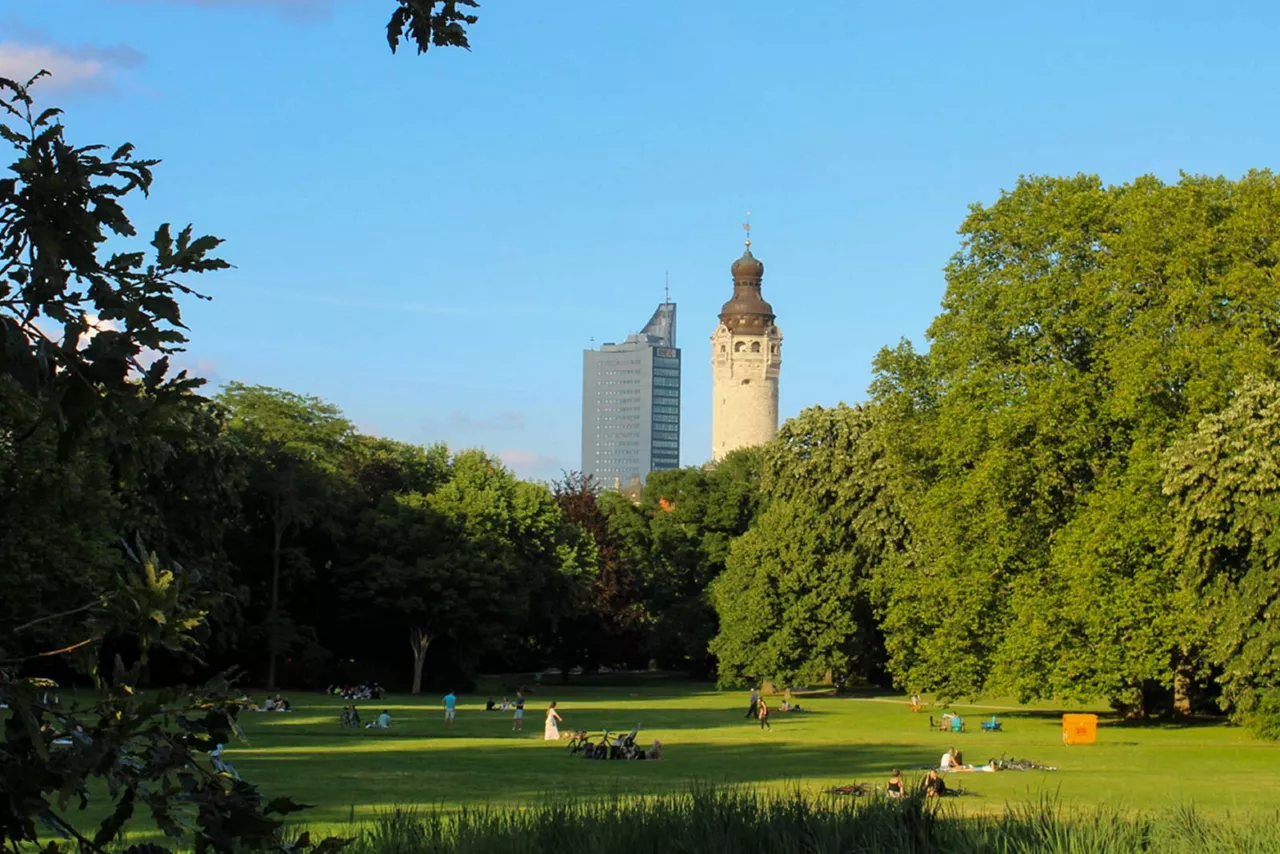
[
  {"x": 763, "y": 713},
  {"x": 517, "y": 724},
  {"x": 551, "y": 732},
  {"x": 450, "y": 708},
  {"x": 755, "y": 700}
]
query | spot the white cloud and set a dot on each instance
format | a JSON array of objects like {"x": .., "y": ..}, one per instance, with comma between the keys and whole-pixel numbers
[{"x": 83, "y": 69}]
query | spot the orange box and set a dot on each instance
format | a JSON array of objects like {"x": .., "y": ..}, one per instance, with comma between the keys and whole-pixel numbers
[{"x": 1079, "y": 729}]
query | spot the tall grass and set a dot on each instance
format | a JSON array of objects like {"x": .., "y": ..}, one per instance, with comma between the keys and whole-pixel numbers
[{"x": 719, "y": 821}]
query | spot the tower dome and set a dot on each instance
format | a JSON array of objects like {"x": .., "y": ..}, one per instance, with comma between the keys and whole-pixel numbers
[
  {"x": 747, "y": 309},
  {"x": 748, "y": 267}
]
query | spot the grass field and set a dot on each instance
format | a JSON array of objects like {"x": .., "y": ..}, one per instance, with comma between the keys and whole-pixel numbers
[{"x": 1219, "y": 769}]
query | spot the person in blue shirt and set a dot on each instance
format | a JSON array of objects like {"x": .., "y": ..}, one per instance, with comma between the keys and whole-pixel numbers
[
  {"x": 517, "y": 724},
  {"x": 450, "y": 708}
]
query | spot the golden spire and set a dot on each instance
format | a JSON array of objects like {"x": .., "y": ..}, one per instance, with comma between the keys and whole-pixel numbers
[{"x": 747, "y": 227}]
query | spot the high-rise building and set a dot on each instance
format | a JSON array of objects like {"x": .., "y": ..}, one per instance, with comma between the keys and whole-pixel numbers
[
  {"x": 631, "y": 404},
  {"x": 746, "y": 358}
]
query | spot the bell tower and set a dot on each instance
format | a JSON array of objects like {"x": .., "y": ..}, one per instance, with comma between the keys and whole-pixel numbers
[{"x": 746, "y": 358}]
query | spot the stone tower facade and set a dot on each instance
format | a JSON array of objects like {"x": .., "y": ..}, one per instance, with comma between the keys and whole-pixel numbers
[{"x": 746, "y": 358}]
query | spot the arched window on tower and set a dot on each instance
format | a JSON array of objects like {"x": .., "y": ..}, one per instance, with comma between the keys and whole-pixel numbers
[
  {"x": 755, "y": 346},
  {"x": 738, "y": 346},
  {"x": 722, "y": 348}
]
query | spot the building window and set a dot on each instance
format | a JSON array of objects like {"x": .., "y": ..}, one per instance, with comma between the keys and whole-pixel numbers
[
  {"x": 738, "y": 346},
  {"x": 755, "y": 346},
  {"x": 746, "y": 382}
]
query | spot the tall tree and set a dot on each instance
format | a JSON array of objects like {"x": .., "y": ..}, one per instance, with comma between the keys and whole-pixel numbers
[
  {"x": 693, "y": 515},
  {"x": 466, "y": 562},
  {"x": 1084, "y": 329},
  {"x": 607, "y": 627},
  {"x": 294, "y": 446},
  {"x": 1224, "y": 482},
  {"x": 795, "y": 600}
]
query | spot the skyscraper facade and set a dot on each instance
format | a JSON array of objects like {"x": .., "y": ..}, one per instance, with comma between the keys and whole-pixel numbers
[
  {"x": 631, "y": 404},
  {"x": 746, "y": 360}
]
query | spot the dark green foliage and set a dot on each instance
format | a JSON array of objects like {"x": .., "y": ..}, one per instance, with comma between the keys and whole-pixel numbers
[
  {"x": 294, "y": 450},
  {"x": 683, "y": 529},
  {"x": 82, "y": 335},
  {"x": 604, "y": 623},
  {"x": 138, "y": 750},
  {"x": 431, "y": 23},
  {"x": 480, "y": 560}
]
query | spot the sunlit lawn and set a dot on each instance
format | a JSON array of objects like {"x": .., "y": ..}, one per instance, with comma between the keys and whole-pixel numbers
[{"x": 306, "y": 754}]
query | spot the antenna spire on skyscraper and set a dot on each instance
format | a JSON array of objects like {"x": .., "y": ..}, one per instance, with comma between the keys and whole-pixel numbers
[{"x": 666, "y": 289}]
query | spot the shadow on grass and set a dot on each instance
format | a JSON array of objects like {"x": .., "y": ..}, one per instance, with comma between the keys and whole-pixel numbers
[
  {"x": 425, "y": 724},
  {"x": 485, "y": 772}
]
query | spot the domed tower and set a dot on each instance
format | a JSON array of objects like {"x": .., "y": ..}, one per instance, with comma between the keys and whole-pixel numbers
[{"x": 746, "y": 355}]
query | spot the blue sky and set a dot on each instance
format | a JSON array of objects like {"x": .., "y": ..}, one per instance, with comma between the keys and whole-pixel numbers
[{"x": 430, "y": 242}]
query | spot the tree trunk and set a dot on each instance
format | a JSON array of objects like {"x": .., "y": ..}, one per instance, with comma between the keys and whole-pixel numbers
[
  {"x": 419, "y": 640},
  {"x": 1181, "y": 691},
  {"x": 273, "y": 615}
]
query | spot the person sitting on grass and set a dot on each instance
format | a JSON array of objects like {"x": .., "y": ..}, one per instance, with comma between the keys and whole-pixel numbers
[
  {"x": 490, "y": 705},
  {"x": 950, "y": 761},
  {"x": 933, "y": 785},
  {"x": 895, "y": 788},
  {"x": 383, "y": 721},
  {"x": 506, "y": 705}
]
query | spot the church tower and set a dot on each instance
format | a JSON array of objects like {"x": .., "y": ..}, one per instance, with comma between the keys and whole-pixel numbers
[{"x": 746, "y": 355}]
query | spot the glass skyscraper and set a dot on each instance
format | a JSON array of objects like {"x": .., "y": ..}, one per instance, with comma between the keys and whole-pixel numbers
[{"x": 631, "y": 404}]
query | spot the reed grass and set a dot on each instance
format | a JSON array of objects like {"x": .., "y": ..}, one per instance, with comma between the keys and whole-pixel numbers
[{"x": 706, "y": 820}]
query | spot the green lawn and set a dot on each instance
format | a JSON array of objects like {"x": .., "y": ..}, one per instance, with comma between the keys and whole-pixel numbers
[{"x": 306, "y": 755}]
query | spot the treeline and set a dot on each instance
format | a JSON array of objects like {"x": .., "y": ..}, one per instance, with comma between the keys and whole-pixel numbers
[{"x": 326, "y": 555}]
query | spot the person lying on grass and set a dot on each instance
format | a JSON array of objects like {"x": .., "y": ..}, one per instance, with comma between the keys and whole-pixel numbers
[{"x": 952, "y": 762}]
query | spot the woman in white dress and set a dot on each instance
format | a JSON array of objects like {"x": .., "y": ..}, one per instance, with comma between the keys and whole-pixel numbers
[{"x": 552, "y": 730}]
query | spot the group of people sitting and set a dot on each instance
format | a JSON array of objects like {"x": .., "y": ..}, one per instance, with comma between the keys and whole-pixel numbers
[
  {"x": 363, "y": 691},
  {"x": 350, "y": 719},
  {"x": 504, "y": 706},
  {"x": 271, "y": 704},
  {"x": 933, "y": 785}
]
